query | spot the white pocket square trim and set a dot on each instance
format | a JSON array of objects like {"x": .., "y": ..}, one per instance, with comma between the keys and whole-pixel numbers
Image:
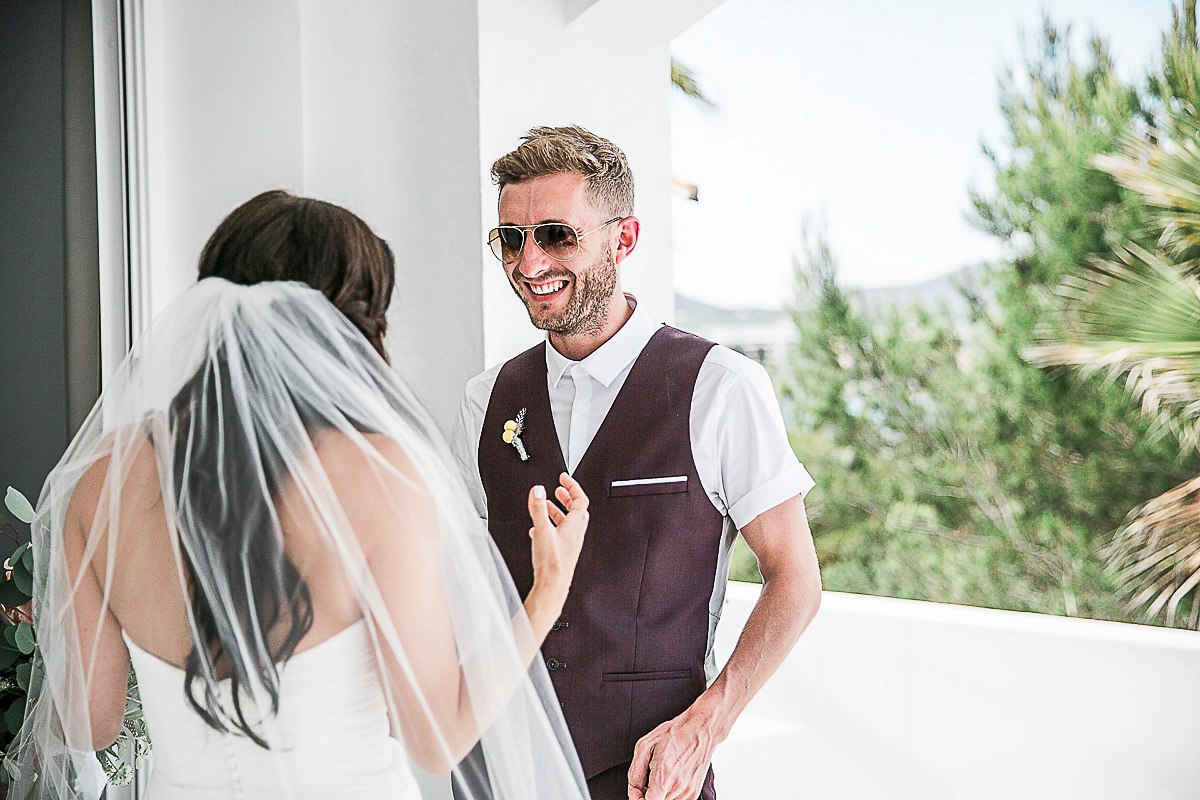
[{"x": 647, "y": 481}]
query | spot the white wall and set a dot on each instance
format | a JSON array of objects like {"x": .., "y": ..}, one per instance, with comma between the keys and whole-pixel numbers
[
  {"x": 397, "y": 110},
  {"x": 901, "y": 700},
  {"x": 370, "y": 104},
  {"x": 222, "y": 123},
  {"x": 391, "y": 131}
]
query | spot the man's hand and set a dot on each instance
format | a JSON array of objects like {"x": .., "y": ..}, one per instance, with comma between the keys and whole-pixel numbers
[{"x": 671, "y": 761}]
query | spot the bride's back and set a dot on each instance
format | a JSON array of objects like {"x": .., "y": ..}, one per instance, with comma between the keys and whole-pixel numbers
[
  {"x": 331, "y": 731},
  {"x": 148, "y": 582}
]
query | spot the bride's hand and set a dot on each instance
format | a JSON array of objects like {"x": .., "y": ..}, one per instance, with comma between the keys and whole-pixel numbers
[{"x": 557, "y": 536}]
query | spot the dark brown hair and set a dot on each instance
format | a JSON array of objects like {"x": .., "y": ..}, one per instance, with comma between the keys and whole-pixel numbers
[{"x": 277, "y": 236}]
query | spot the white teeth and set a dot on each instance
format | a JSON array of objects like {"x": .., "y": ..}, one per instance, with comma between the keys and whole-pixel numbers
[{"x": 547, "y": 288}]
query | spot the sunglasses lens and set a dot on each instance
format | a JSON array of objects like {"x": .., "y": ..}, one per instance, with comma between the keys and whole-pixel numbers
[
  {"x": 506, "y": 243},
  {"x": 557, "y": 240}
]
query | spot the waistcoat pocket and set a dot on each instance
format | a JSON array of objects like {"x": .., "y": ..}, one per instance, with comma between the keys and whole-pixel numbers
[
  {"x": 643, "y": 486},
  {"x": 661, "y": 675}
]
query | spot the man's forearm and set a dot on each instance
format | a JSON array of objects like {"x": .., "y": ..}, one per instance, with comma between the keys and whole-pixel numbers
[
  {"x": 672, "y": 759},
  {"x": 784, "y": 609}
]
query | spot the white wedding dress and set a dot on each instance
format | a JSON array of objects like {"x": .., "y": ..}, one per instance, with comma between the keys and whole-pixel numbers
[{"x": 331, "y": 710}]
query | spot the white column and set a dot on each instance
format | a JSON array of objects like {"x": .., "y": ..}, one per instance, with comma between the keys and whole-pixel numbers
[{"x": 391, "y": 131}]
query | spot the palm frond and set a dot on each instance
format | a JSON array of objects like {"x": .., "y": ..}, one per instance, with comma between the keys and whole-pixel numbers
[
  {"x": 1137, "y": 317},
  {"x": 685, "y": 81},
  {"x": 1155, "y": 556},
  {"x": 1164, "y": 168}
]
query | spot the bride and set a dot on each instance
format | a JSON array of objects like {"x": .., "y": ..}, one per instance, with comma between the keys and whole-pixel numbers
[{"x": 262, "y": 519}]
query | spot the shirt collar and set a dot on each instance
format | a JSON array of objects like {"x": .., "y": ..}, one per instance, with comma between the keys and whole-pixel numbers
[{"x": 611, "y": 358}]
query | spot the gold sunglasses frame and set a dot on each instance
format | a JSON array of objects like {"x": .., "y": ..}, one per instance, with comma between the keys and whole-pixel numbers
[{"x": 526, "y": 229}]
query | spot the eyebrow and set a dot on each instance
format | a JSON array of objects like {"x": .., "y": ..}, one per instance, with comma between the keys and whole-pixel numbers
[{"x": 543, "y": 222}]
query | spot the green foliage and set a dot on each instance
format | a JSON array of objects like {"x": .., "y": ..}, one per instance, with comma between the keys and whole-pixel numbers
[
  {"x": 1135, "y": 314},
  {"x": 133, "y": 744},
  {"x": 743, "y": 565},
  {"x": 1177, "y": 83},
  {"x": 1051, "y": 206},
  {"x": 949, "y": 467},
  {"x": 18, "y": 654},
  {"x": 17, "y": 638},
  {"x": 684, "y": 80}
]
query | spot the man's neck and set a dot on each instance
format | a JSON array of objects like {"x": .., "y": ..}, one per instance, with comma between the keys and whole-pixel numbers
[{"x": 581, "y": 346}]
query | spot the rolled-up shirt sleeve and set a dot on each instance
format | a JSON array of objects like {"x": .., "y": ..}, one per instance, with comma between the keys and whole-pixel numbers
[
  {"x": 464, "y": 435},
  {"x": 745, "y": 430}
]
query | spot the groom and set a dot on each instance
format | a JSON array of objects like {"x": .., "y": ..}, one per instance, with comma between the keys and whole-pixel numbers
[{"x": 679, "y": 444}]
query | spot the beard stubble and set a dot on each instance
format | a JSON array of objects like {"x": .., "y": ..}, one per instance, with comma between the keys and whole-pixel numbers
[{"x": 587, "y": 311}]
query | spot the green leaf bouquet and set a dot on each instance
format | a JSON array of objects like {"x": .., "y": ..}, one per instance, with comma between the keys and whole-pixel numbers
[{"x": 18, "y": 650}]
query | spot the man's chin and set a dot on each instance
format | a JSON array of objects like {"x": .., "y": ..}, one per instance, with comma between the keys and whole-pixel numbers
[
  {"x": 551, "y": 324},
  {"x": 543, "y": 319}
]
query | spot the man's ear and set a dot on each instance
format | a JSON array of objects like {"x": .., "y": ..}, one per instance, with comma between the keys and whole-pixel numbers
[{"x": 628, "y": 230}]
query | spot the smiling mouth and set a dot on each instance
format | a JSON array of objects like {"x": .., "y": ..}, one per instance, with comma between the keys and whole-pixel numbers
[{"x": 548, "y": 288}]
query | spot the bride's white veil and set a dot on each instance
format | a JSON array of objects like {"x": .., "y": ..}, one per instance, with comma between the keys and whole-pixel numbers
[{"x": 219, "y": 424}]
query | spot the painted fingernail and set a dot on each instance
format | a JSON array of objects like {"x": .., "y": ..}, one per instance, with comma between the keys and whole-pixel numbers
[{"x": 539, "y": 492}]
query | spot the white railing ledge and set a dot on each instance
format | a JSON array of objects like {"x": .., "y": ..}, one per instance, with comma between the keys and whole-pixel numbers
[
  {"x": 886, "y": 699},
  {"x": 930, "y": 612}
]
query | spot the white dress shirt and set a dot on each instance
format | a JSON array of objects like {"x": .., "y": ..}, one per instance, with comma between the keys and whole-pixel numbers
[{"x": 739, "y": 443}]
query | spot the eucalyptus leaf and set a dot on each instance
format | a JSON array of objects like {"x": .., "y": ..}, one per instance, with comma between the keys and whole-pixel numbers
[
  {"x": 23, "y": 674},
  {"x": 20, "y": 551},
  {"x": 26, "y": 559},
  {"x": 8, "y": 657},
  {"x": 15, "y": 715},
  {"x": 11, "y": 595},
  {"x": 10, "y": 635},
  {"x": 23, "y": 578},
  {"x": 26, "y": 641},
  {"x": 18, "y": 505}
]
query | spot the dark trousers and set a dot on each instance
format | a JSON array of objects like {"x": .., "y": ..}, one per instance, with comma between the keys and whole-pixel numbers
[{"x": 613, "y": 784}]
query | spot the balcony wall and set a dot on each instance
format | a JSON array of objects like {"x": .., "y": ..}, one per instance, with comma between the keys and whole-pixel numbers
[{"x": 888, "y": 699}]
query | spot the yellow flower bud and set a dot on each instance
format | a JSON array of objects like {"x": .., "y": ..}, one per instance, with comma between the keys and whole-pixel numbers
[
  {"x": 510, "y": 426},
  {"x": 509, "y": 435}
]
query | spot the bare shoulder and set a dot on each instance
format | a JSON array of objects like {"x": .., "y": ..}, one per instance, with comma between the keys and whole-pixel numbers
[
  {"x": 138, "y": 488},
  {"x": 357, "y": 458},
  {"x": 377, "y": 483}
]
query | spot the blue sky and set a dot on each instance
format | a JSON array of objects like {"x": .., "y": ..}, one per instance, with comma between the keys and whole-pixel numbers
[{"x": 866, "y": 114}]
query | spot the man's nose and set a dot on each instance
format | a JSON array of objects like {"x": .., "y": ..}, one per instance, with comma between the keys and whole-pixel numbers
[{"x": 532, "y": 260}]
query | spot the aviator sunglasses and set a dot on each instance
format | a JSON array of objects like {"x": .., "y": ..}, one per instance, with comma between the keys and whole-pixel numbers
[{"x": 556, "y": 239}]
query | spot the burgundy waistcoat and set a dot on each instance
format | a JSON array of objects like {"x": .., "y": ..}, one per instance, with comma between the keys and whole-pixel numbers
[{"x": 628, "y": 651}]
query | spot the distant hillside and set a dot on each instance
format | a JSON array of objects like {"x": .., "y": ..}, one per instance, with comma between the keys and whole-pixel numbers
[
  {"x": 694, "y": 313},
  {"x": 767, "y": 334},
  {"x": 931, "y": 294}
]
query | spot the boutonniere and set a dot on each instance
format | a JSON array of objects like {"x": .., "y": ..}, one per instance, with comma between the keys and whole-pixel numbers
[{"x": 512, "y": 434}]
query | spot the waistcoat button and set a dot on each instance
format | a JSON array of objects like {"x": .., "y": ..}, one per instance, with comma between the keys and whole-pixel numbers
[{"x": 553, "y": 663}]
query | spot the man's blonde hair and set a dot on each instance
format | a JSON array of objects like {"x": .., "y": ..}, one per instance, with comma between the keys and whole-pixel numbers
[{"x": 572, "y": 149}]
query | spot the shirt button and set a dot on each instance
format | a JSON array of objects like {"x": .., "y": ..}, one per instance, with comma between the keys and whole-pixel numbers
[
  {"x": 553, "y": 663},
  {"x": 557, "y": 626}
]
